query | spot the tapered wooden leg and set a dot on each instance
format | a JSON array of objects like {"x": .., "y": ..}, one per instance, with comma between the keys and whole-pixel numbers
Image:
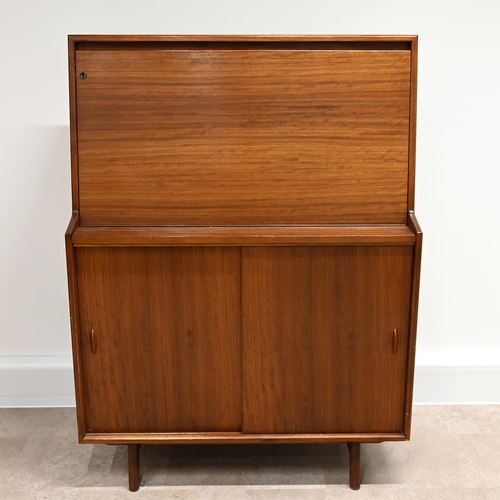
[
  {"x": 134, "y": 467},
  {"x": 354, "y": 465}
]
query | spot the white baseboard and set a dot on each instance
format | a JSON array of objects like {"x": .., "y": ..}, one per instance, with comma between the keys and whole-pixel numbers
[
  {"x": 457, "y": 385},
  {"x": 47, "y": 381},
  {"x": 36, "y": 381}
]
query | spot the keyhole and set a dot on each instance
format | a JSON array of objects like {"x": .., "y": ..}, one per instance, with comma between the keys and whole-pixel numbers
[{"x": 83, "y": 75}]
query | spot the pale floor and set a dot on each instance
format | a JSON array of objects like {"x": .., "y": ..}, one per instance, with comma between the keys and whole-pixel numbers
[{"x": 454, "y": 454}]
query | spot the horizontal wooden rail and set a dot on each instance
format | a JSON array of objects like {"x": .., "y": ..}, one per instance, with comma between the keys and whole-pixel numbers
[{"x": 242, "y": 235}]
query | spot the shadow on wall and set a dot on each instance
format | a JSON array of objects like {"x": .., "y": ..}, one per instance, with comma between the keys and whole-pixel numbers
[{"x": 35, "y": 207}]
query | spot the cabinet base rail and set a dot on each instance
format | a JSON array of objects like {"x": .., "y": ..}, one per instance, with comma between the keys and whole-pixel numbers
[
  {"x": 236, "y": 438},
  {"x": 134, "y": 466}
]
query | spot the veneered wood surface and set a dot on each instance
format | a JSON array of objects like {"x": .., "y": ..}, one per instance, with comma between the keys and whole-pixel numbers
[
  {"x": 167, "y": 322},
  {"x": 243, "y": 136},
  {"x": 317, "y": 339},
  {"x": 243, "y": 235}
]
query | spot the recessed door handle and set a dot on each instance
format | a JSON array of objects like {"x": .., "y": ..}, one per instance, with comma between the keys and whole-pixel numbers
[
  {"x": 93, "y": 341},
  {"x": 395, "y": 341}
]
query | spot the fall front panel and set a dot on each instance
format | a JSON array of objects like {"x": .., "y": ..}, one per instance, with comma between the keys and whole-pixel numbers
[
  {"x": 233, "y": 137},
  {"x": 160, "y": 338}
]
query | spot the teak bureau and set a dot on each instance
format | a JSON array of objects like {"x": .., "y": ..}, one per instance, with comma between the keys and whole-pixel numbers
[{"x": 243, "y": 255}]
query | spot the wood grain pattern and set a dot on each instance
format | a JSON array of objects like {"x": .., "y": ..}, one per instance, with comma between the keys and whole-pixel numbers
[
  {"x": 217, "y": 137},
  {"x": 317, "y": 339},
  {"x": 168, "y": 323},
  {"x": 243, "y": 235}
]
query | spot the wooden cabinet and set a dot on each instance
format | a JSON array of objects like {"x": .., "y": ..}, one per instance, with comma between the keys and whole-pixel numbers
[{"x": 243, "y": 255}]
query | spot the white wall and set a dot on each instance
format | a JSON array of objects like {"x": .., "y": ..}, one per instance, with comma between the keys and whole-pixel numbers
[{"x": 457, "y": 155}]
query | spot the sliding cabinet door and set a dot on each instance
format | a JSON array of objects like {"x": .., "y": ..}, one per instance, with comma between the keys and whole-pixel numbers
[
  {"x": 325, "y": 338},
  {"x": 160, "y": 338}
]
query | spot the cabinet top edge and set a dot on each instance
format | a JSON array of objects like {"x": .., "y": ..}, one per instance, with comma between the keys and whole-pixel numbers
[{"x": 242, "y": 38}]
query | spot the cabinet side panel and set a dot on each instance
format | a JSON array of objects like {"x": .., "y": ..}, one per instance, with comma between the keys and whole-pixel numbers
[
  {"x": 318, "y": 339},
  {"x": 412, "y": 145},
  {"x": 234, "y": 137},
  {"x": 75, "y": 324},
  {"x": 415, "y": 287},
  {"x": 166, "y": 353},
  {"x": 73, "y": 124}
]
